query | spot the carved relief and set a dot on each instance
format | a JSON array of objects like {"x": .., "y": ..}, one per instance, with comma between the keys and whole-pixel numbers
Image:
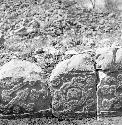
[
  {"x": 22, "y": 89},
  {"x": 77, "y": 86}
]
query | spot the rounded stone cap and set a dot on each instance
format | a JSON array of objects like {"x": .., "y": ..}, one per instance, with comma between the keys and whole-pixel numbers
[
  {"x": 18, "y": 68},
  {"x": 109, "y": 58},
  {"x": 81, "y": 62},
  {"x": 104, "y": 58}
]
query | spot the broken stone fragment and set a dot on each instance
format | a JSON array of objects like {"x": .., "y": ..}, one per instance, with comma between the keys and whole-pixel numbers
[
  {"x": 109, "y": 58},
  {"x": 104, "y": 58},
  {"x": 22, "y": 90},
  {"x": 73, "y": 85}
]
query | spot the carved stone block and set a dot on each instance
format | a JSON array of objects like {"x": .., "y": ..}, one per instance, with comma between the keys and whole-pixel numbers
[
  {"x": 73, "y": 85},
  {"x": 21, "y": 89},
  {"x": 109, "y": 89}
]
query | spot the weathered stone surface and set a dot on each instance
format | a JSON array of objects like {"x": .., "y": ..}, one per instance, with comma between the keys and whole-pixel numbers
[
  {"x": 109, "y": 58},
  {"x": 21, "y": 88},
  {"x": 73, "y": 85},
  {"x": 109, "y": 89},
  {"x": 104, "y": 58}
]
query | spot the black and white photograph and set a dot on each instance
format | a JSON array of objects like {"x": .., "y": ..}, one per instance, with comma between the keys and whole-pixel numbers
[{"x": 60, "y": 62}]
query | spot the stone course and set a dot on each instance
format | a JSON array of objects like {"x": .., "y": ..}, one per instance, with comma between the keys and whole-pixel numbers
[{"x": 88, "y": 82}]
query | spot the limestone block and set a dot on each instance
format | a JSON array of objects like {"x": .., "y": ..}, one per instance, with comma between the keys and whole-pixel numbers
[
  {"x": 109, "y": 89},
  {"x": 73, "y": 85},
  {"x": 21, "y": 88}
]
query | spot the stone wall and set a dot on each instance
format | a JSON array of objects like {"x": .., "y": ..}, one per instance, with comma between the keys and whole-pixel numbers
[
  {"x": 86, "y": 83},
  {"x": 98, "y": 77}
]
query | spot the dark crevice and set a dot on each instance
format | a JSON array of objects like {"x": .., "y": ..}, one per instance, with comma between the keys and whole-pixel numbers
[
  {"x": 114, "y": 54},
  {"x": 97, "y": 72}
]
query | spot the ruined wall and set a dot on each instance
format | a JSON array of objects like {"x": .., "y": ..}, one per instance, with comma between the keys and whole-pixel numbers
[
  {"x": 98, "y": 77},
  {"x": 86, "y": 83}
]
